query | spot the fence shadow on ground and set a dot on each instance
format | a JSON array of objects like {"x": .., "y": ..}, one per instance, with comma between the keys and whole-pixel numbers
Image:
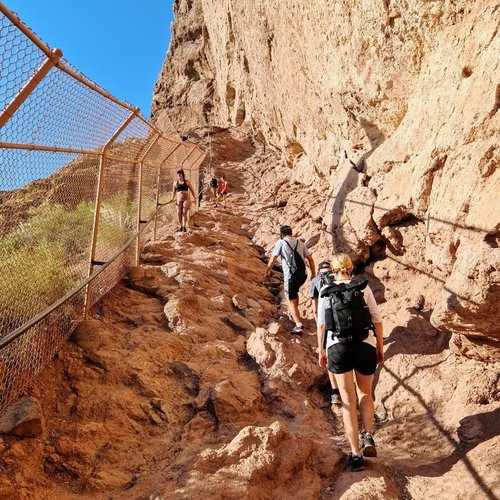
[{"x": 484, "y": 426}]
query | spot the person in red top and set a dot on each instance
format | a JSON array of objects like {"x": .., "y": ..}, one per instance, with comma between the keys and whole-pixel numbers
[{"x": 223, "y": 189}]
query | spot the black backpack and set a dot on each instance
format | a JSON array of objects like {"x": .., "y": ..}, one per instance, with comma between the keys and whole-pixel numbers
[
  {"x": 346, "y": 314},
  {"x": 297, "y": 265},
  {"x": 213, "y": 183}
]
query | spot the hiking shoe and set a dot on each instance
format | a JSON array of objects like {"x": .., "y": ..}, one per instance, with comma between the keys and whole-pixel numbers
[
  {"x": 355, "y": 463},
  {"x": 298, "y": 329},
  {"x": 335, "y": 399},
  {"x": 368, "y": 445}
]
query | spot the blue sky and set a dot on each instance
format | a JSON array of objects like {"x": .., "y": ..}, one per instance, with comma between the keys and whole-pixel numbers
[{"x": 120, "y": 44}]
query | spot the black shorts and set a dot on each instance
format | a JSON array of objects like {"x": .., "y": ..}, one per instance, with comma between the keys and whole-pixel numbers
[
  {"x": 223, "y": 193},
  {"x": 361, "y": 357},
  {"x": 292, "y": 286}
]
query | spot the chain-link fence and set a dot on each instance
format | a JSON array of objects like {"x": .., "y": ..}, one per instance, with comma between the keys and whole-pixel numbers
[{"x": 83, "y": 178}]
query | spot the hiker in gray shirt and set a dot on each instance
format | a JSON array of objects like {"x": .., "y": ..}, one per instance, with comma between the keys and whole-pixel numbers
[{"x": 293, "y": 253}]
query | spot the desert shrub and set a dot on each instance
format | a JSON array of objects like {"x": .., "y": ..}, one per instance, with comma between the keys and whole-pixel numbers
[
  {"x": 47, "y": 255},
  {"x": 32, "y": 278}
]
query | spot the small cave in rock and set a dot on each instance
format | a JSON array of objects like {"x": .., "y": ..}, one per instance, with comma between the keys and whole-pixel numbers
[
  {"x": 240, "y": 113},
  {"x": 294, "y": 148},
  {"x": 230, "y": 95},
  {"x": 493, "y": 237},
  {"x": 398, "y": 216},
  {"x": 191, "y": 72},
  {"x": 409, "y": 220},
  {"x": 466, "y": 72},
  {"x": 191, "y": 35}
]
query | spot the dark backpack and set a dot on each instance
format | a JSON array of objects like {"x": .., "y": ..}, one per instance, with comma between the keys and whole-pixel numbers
[
  {"x": 297, "y": 265},
  {"x": 214, "y": 183},
  {"x": 346, "y": 314}
]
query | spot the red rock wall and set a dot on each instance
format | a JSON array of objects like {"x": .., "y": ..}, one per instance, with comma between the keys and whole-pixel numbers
[{"x": 387, "y": 110}]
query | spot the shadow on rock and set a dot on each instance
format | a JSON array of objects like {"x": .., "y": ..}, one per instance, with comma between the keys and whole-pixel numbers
[{"x": 417, "y": 337}]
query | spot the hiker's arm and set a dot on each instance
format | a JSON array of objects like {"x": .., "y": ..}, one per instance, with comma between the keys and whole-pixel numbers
[
  {"x": 315, "y": 307},
  {"x": 321, "y": 350},
  {"x": 270, "y": 265},
  {"x": 379, "y": 332},
  {"x": 321, "y": 332},
  {"x": 377, "y": 322},
  {"x": 173, "y": 192},
  {"x": 311, "y": 265}
]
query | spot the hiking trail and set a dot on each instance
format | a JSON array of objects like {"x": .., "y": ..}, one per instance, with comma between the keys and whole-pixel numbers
[{"x": 185, "y": 383}]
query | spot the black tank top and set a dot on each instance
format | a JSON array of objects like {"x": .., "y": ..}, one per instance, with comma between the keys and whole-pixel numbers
[{"x": 181, "y": 187}]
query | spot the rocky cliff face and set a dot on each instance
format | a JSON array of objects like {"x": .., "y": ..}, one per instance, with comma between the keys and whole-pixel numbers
[{"x": 385, "y": 113}]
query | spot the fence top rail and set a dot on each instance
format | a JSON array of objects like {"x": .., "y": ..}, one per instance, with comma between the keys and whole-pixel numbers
[
  {"x": 66, "y": 68},
  {"x": 14, "y": 19}
]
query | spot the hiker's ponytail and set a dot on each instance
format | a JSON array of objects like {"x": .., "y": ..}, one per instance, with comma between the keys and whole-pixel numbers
[{"x": 342, "y": 263}]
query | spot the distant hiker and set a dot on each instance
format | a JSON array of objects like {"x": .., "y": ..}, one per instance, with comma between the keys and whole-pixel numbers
[
  {"x": 180, "y": 190},
  {"x": 223, "y": 189},
  {"x": 293, "y": 253},
  {"x": 214, "y": 187},
  {"x": 317, "y": 282},
  {"x": 349, "y": 317}
]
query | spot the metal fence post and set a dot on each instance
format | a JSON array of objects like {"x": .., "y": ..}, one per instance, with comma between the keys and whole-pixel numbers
[
  {"x": 97, "y": 210},
  {"x": 139, "y": 220}
]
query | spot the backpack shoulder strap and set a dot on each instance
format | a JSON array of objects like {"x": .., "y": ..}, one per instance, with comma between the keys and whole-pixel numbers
[{"x": 356, "y": 285}]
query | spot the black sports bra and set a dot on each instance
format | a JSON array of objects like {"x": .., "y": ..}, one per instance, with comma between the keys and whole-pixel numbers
[{"x": 181, "y": 187}]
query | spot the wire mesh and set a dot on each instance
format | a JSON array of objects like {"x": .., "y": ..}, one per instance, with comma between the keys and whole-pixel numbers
[
  {"x": 19, "y": 59},
  {"x": 51, "y": 149},
  {"x": 45, "y": 232},
  {"x": 64, "y": 112}
]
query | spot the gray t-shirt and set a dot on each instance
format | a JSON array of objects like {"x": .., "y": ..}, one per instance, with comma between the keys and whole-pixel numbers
[
  {"x": 314, "y": 288},
  {"x": 282, "y": 249}
]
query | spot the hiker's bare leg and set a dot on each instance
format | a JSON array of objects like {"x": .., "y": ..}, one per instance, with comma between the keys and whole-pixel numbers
[
  {"x": 333, "y": 382},
  {"x": 180, "y": 205},
  {"x": 186, "y": 214},
  {"x": 366, "y": 404},
  {"x": 294, "y": 311},
  {"x": 347, "y": 390}
]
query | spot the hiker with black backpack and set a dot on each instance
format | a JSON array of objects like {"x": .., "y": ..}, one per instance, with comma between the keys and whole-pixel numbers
[
  {"x": 320, "y": 280},
  {"x": 293, "y": 253},
  {"x": 350, "y": 341}
]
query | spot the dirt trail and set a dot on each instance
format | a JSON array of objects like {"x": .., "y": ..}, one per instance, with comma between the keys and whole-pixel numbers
[{"x": 186, "y": 383}]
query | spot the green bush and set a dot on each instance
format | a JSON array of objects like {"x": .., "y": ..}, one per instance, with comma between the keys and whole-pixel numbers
[
  {"x": 47, "y": 254},
  {"x": 32, "y": 278}
]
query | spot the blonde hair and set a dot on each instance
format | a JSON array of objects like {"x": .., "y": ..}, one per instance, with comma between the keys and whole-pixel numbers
[{"x": 342, "y": 263}]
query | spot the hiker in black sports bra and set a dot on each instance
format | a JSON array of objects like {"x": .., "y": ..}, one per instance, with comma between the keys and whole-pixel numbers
[
  {"x": 181, "y": 189},
  {"x": 214, "y": 186}
]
